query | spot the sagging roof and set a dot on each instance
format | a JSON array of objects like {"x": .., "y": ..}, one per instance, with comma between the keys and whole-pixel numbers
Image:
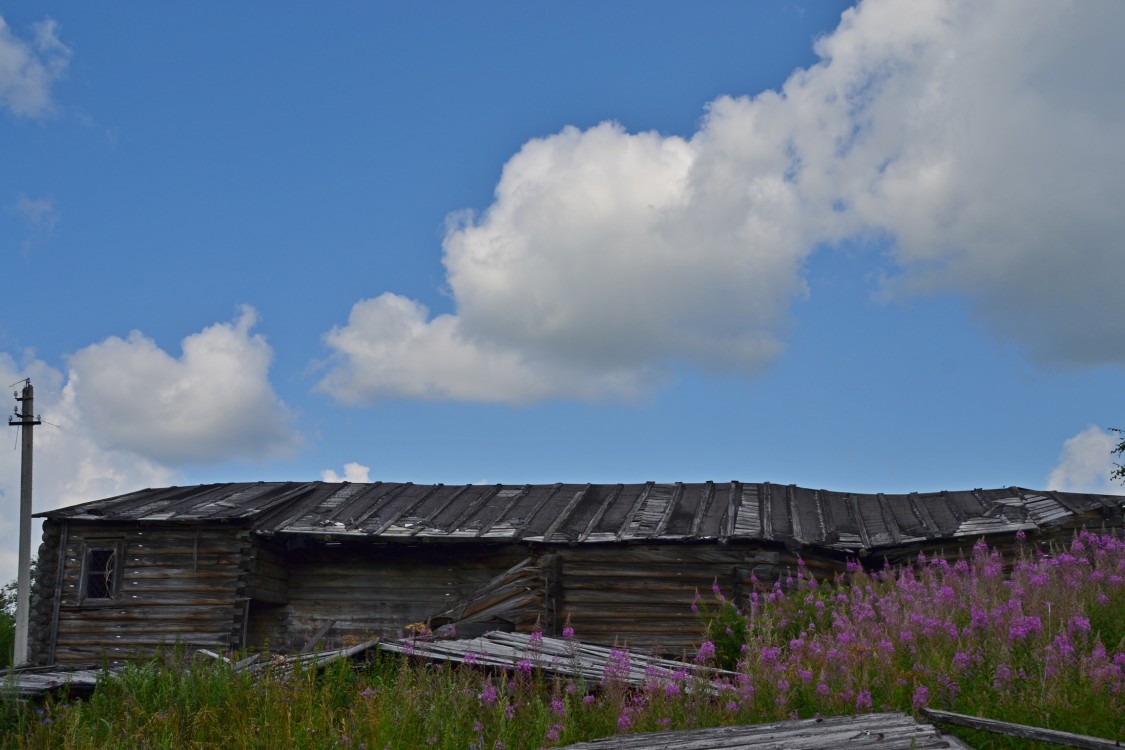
[{"x": 593, "y": 513}]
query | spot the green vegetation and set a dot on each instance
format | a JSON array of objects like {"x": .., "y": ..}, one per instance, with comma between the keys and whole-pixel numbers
[
  {"x": 1038, "y": 640},
  {"x": 7, "y": 624}
]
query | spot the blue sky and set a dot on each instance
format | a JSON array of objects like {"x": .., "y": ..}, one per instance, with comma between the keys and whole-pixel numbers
[{"x": 872, "y": 248}]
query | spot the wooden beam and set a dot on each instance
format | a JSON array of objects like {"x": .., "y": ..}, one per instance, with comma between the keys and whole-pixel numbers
[
  {"x": 485, "y": 528},
  {"x": 621, "y": 532},
  {"x": 348, "y": 504},
  {"x": 734, "y": 502},
  {"x": 539, "y": 506},
  {"x": 677, "y": 493},
  {"x": 561, "y": 518},
  {"x": 889, "y": 518},
  {"x": 593, "y": 524},
  {"x": 702, "y": 508},
  {"x": 794, "y": 512},
  {"x": 473, "y": 507},
  {"x": 439, "y": 510},
  {"x": 852, "y": 504},
  {"x": 310, "y": 644},
  {"x": 1020, "y": 730},
  {"x": 922, "y": 513},
  {"x": 765, "y": 509},
  {"x": 393, "y": 518}
]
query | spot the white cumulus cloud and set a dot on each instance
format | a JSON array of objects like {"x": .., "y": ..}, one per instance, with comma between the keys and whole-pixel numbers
[
  {"x": 71, "y": 465},
  {"x": 353, "y": 472},
  {"x": 983, "y": 139},
  {"x": 29, "y": 67},
  {"x": 213, "y": 402},
  {"x": 980, "y": 140},
  {"x": 128, "y": 415},
  {"x": 1085, "y": 463}
]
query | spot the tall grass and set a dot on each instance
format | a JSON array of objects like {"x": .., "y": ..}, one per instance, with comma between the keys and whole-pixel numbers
[{"x": 1039, "y": 640}]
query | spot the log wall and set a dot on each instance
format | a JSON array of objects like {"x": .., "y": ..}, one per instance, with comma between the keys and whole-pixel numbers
[
  {"x": 642, "y": 595},
  {"x": 175, "y": 584},
  {"x": 43, "y": 584},
  {"x": 375, "y": 590}
]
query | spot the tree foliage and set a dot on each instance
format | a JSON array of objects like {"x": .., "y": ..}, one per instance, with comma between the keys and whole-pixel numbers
[{"x": 1119, "y": 451}]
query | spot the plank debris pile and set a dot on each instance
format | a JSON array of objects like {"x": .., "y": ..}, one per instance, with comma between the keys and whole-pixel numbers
[
  {"x": 886, "y": 731},
  {"x": 569, "y": 658}
]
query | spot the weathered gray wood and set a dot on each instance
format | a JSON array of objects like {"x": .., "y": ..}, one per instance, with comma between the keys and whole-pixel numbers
[
  {"x": 640, "y": 501},
  {"x": 310, "y": 644},
  {"x": 597, "y": 517},
  {"x": 57, "y": 603},
  {"x": 1021, "y": 730},
  {"x": 575, "y": 499},
  {"x": 881, "y": 731}
]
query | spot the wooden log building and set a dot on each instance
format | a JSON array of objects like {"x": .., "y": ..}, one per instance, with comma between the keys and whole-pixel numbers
[{"x": 270, "y": 563}]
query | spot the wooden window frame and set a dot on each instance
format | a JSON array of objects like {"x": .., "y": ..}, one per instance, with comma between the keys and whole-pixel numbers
[{"x": 89, "y": 547}]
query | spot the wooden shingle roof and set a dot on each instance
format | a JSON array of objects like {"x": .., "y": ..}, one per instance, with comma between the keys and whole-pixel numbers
[{"x": 592, "y": 513}]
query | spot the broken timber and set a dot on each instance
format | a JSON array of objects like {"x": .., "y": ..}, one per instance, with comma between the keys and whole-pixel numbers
[
  {"x": 23, "y": 684},
  {"x": 564, "y": 657},
  {"x": 888, "y": 731},
  {"x": 1021, "y": 730}
]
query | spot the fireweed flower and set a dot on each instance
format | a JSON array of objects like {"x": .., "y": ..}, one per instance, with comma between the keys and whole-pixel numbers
[
  {"x": 921, "y": 694},
  {"x": 488, "y": 694},
  {"x": 568, "y": 632},
  {"x": 706, "y": 652},
  {"x": 554, "y": 733},
  {"x": 863, "y": 700},
  {"x": 1078, "y": 624}
]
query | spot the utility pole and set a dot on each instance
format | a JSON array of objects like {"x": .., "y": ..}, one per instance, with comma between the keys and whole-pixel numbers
[{"x": 26, "y": 420}]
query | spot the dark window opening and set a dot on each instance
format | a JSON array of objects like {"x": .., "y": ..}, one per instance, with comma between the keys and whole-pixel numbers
[{"x": 101, "y": 573}]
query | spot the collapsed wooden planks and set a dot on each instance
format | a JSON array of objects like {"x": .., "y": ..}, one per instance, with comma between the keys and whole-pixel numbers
[
  {"x": 887, "y": 731},
  {"x": 24, "y": 684},
  {"x": 557, "y": 656},
  {"x": 1010, "y": 729}
]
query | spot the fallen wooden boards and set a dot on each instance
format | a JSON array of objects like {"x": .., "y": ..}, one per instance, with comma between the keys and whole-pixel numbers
[
  {"x": 33, "y": 683},
  {"x": 887, "y": 731},
  {"x": 558, "y": 656},
  {"x": 1020, "y": 730}
]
